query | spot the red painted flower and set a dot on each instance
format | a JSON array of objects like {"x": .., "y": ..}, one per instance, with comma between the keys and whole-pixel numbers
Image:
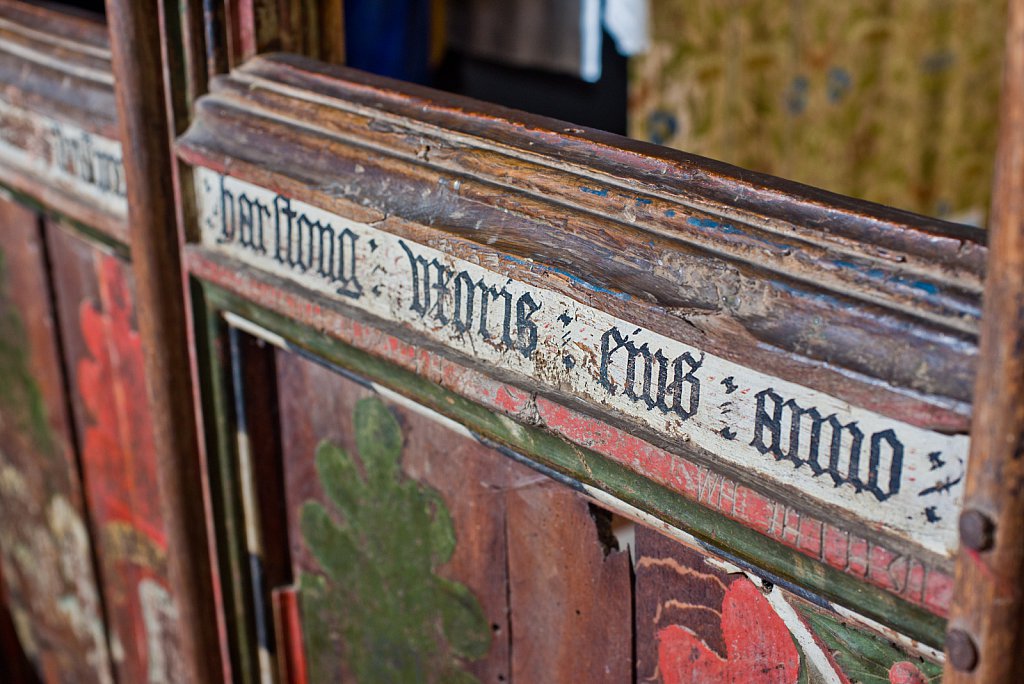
[{"x": 759, "y": 647}]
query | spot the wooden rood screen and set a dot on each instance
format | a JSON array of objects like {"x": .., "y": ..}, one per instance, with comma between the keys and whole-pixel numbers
[
  {"x": 460, "y": 358},
  {"x": 310, "y": 376}
]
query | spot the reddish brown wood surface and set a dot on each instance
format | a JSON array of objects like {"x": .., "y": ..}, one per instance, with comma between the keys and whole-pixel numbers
[
  {"x": 570, "y": 592},
  {"x": 103, "y": 354},
  {"x": 557, "y": 607},
  {"x": 145, "y": 134},
  {"x": 986, "y": 641},
  {"x": 468, "y": 477},
  {"x": 52, "y": 593}
]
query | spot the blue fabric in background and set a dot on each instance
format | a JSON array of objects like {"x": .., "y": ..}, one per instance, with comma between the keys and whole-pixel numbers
[{"x": 389, "y": 37}]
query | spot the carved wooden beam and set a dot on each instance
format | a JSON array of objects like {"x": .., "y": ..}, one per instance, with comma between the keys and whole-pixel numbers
[
  {"x": 59, "y": 143},
  {"x": 812, "y": 350}
]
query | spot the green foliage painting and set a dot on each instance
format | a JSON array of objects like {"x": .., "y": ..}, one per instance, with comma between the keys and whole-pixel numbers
[{"x": 380, "y": 600}]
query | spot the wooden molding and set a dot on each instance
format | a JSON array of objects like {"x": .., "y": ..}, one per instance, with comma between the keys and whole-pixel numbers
[
  {"x": 866, "y": 308},
  {"x": 59, "y": 140},
  {"x": 780, "y": 277}
]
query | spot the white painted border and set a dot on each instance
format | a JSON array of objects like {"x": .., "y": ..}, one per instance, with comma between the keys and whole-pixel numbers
[{"x": 567, "y": 358}]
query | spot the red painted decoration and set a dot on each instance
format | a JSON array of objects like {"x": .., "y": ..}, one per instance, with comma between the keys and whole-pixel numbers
[
  {"x": 120, "y": 472},
  {"x": 759, "y": 647}
]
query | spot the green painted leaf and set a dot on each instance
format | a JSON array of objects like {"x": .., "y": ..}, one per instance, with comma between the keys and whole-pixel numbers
[
  {"x": 340, "y": 478},
  {"x": 381, "y": 602},
  {"x": 379, "y": 438}
]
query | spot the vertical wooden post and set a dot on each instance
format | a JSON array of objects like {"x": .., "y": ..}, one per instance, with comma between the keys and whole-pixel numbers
[
  {"x": 986, "y": 625},
  {"x": 139, "y": 76}
]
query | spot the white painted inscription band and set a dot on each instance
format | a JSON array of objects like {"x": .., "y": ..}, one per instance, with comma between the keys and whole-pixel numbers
[
  {"x": 64, "y": 155},
  {"x": 882, "y": 472}
]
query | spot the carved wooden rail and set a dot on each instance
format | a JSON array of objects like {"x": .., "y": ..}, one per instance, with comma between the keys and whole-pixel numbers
[{"x": 780, "y": 371}]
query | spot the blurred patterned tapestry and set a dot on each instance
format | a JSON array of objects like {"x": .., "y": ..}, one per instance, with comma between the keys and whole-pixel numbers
[{"x": 895, "y": 101}]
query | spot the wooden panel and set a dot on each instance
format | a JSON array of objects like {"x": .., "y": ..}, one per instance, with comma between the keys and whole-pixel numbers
[
  {"x": 473, "y": 563},
  {"x": 700, "y": 618},
  {"x": 104, "y": 357},
  {"x": 44, "y": 535},
  {"x": 602, "y": 209},
  {"x": 570, "y": 593},
  {"x": 735, "y": 338},
  {"x": 985, "y": 641},
  {"x": 858, "y": 461},
  {"x": 59, "y": 142}
]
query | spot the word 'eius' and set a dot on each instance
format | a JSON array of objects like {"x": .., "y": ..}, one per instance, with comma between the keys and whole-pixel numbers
[
  {"x": 649, "y": 376},
  {"x": 453, "y": 298},
  {"x": 788, "y": 431},
  {"x": 303, "y": 244}
]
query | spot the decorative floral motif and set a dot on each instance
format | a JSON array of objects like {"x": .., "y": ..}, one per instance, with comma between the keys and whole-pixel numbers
[
  {"x": 398, "y": 620},
  {"x": 759, "y": 647},
  {"x": 118, "y": 449}
]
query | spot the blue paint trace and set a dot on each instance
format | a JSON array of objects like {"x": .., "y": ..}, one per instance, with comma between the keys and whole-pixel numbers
[
  {"x": 576, "y": 280},
  {"x": 727, "y": 229},
  {"x": 594, "y": 191},
  {"x": 922, "y": 285}
]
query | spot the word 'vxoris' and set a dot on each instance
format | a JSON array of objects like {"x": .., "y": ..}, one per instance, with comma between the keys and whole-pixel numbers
[{"x": 472, "y": 306}]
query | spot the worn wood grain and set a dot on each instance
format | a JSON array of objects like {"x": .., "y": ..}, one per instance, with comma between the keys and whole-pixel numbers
[
  {"x": 52, "y": 590},
  {"x": 570, "y": 591},
  {"x": 145, "y": 132},
  {"x": 468, "y": 478},
  {"x": 987, "y": 631}
]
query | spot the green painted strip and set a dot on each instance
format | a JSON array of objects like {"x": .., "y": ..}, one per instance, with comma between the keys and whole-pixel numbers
[
  {"x": 225, "y": 483},
  {"x": 591, "y": 468}
]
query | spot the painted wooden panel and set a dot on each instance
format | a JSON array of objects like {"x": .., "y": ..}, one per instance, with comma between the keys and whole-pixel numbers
[
  {"x": 721, "y": 346},
  {"x": 103, "y": 354},
  {"x": 58, "y": 129},
  {"x": 884, "y": 473},
  {"x": 570, "y": 589},
  {"x": 702, "y": 619},
  {"x": 452, "y": 562},
  {"x": 603, "y": 458},
  {"x": 47, "y": 555}
]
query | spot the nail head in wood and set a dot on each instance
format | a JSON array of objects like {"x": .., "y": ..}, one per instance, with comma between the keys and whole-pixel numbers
[
  {"x": 961, "y": 650},
  {"x": 977, "y": 531}
]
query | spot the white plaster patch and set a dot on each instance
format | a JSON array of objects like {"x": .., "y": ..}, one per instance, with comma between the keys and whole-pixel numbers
[{"x": 887, "y": 474}]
